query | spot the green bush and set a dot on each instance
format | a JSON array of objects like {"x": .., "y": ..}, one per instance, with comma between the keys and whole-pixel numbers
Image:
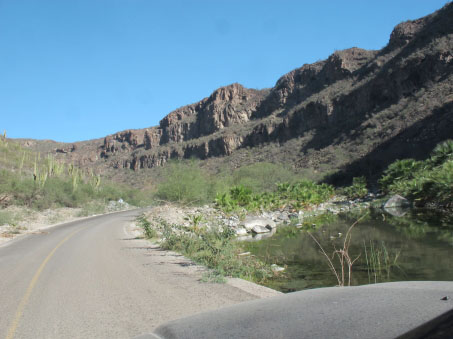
[
  {"x": 399, "y": 170},
  {"x": 143, "y": 222},
  {"x": 442, "y": 152},
  {"x": 184, "y": 182},
  {"x": 357, "y": 190},
  {"x": 92, "y": 207},
  {"x": 296, "y": 195},
  {"x": 261, "y": 177},
  {"x": 424, "y": 182},
  {"x": 305, "y": 192}
]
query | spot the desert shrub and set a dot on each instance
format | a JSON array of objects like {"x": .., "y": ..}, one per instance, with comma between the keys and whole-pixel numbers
[
  {"x": 134, "y": 196},
  {"x": 184, "y": 182},
  {"x": 92, "y": 207},
  {"x": 262, "y": 177},
  {"x": 60, "y": 192},
  {"x": 6, "y": 218},
  {"x": 20, "y": 191},
  {"x": 44, "y": 182}
]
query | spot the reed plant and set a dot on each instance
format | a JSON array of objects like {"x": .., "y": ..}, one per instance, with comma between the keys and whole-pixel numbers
[
  {"x": 379, "y": 261},
  {"x": 344, "y": 273}
]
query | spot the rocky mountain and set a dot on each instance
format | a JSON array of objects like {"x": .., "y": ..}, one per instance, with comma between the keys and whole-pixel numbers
[{"x": 351, "y": 114}]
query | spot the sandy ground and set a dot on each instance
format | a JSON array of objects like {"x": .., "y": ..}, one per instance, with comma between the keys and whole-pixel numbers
[{"x": 30, "y": 221}]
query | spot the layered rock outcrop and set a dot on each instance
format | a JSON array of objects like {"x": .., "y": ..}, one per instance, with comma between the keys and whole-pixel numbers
[{"x": 355, "y": 101}]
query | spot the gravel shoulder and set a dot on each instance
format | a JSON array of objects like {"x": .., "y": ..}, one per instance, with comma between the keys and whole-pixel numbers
[{"x": 188, "y": 268}]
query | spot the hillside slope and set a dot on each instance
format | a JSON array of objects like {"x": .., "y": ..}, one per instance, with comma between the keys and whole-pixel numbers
[{"x": 351, "y": 114}]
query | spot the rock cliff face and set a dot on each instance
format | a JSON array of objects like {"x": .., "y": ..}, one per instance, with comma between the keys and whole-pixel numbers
[
  {"x": 336, "y": 111},
  {"x": 225, "y": 107}
]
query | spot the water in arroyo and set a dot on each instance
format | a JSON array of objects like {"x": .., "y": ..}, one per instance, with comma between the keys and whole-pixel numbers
[{"x": 384, "y": 247}]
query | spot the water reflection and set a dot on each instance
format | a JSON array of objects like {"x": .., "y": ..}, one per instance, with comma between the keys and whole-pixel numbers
[{"x": 416, "y": 246}]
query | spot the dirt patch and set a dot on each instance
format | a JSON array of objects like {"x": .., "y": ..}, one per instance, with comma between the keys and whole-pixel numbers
[
  {"x": 25, "y": 220},
  {"x": 22, "y": 220}
]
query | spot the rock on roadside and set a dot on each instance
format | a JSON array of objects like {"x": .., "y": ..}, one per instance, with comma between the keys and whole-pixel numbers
[
  {"x": 260, "y": 229},
  {"x": 250, "y": 222}
]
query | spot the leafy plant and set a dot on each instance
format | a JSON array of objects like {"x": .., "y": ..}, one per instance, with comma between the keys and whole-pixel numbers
[
  {"x": 398, "y": 171},
  {"x": 358, "y": 189},
  {"x": 442, "y": 152},
  {"x": 144, "y": 223},
  {"x": 298, "y": 194},
  {"x": 424, "y": 182}
]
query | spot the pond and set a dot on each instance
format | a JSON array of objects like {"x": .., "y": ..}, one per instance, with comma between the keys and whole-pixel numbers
[{"x": 416, "y": 246}]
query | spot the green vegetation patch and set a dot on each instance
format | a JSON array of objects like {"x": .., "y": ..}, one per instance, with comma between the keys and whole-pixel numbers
[
  {"x": 186, "y": 182},
  {"x": 144, "y": 223},
  {"x": 358, "y": 189},
  {"x": 7, "y": 218},
  {"x": 213, "y": 247},
  {"x": 427, "y": 182},
  {"x": 296, "y": 195},
  {"x": 27, "y": 179}
]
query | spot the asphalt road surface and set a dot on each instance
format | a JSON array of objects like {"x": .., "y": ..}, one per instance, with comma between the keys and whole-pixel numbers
[{"x": 92, "y": 279}]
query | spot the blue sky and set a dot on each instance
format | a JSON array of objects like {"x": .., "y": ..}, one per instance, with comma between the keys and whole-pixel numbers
[{"x": 74, "y": 70}]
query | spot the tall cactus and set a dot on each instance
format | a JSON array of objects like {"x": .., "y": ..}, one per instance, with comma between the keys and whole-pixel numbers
[
  {"x": 3, "y": 139},
  {"x": 75, "y": 179},
  {"x": 42, "y": 178},
  {"x": 95, "y": 181},
  {"x": 71, "y": 169},
  {"x": 35, "y": 170},
  {"x": 50, "y": 165},
  {"x": 22, "y": 164}
]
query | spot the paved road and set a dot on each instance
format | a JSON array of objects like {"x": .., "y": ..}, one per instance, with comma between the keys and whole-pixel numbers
[{"x": 92, "y": 279}]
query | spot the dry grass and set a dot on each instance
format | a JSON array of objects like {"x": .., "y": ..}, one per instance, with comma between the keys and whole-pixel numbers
[{"x": 345, "y": 260}]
